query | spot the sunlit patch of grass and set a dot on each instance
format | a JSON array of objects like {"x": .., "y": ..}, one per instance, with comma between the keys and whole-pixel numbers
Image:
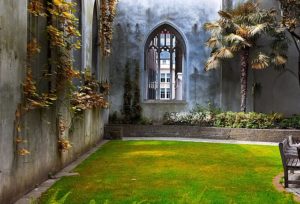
[
  {"x": 149, "y": 153},
  {"x": 174, "y": 172}
]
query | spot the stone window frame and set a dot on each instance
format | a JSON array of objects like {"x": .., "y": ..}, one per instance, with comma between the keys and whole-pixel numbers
[{"x": 184, "y": 62}]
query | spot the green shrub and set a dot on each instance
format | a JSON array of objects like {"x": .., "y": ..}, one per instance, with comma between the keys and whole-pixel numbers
[
  {"x": 177, "y": 118},
  {"x": 136, "y": 105},
  {"x": 210, "y": 116},
  {"x": 225, "y": 119},
  {"x": 249, "y": 120},
  {"x": 144, "y": 121},
  {"x": 127, "y": 96},
  {"x": 292, "y": 122},
  {"x": 114, "y": 119}
]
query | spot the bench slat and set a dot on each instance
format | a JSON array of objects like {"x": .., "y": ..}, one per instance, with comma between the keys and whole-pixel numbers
[
  {"x": 293, "y": 162},
  {"x": 290, "y": 160}
]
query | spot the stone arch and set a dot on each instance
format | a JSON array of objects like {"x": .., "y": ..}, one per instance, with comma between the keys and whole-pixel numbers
[
  {"x": 95, "y": 46},
  {"x": 165, "y": 46},
  {"x": 78, "y": 55},
  {"x": 172, "y": 27}
]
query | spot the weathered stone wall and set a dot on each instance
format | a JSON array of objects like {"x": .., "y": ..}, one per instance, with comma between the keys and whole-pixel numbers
[
  {"x": 268, "y": 135},
  {"x": 19, "y": 174},
  {"x": 280, "y": 91},
  {"x": 134, "y": 22}
]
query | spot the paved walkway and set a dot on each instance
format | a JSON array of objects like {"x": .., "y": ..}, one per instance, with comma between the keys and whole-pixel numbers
[
  {"x": 201, "y": 140},
  {"x": 294, "y": 188}
]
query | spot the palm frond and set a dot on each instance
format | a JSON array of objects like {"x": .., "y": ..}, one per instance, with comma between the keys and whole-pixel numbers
[
  {"x": 261, "y": 61},
  {"x": 243, "y": 31},
  {"x": 273, "y": 12},
  {"x": 234, "y": 38},
  {"x": 235, "y": 48},
  {"x": 279, "y": 60},
  {"x": 255, "y": 18},
  {"x": 212, "y": 42},
  {"x": 212, "y": 63},
  {"x": 225, "y": 15},
  {"x": 224, "y": 52},
  {"x": 258, "y": 29},
  {"x": 246, "y": 44},
  {"x": 245, "y": 9},
  {"x": 225, "y": 23},
  {"x": 211, "y": 26}
]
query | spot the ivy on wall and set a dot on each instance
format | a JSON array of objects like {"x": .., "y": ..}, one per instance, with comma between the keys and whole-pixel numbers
[
  {"x": 127, "y": 96},
  {"x": 61, "y": 35},
  {"x": 108, "y": 13},
  {"x": 132, "y": 109},
  {"x": 62, "y": 30},
  {"x": 88, "y": 96},
  {"x": 136, "y": 105}
]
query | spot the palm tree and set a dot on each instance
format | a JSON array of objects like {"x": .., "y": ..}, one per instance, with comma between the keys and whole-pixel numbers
[
  {"x": 291, "y": 21},
  {"x": 237, "y": 32}
]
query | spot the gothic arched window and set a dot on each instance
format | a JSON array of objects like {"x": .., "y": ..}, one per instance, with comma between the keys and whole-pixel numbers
[
  {"x": 78, "y": 53},
  {"x": 95, "y": 46},
  {"x": 164, "y": 58}
]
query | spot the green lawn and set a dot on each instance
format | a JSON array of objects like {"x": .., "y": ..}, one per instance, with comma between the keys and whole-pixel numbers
[{"x": 174, "y": 172}]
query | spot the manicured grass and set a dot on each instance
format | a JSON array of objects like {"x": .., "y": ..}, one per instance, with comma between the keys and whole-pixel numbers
[{"x": 174, "y": 172}]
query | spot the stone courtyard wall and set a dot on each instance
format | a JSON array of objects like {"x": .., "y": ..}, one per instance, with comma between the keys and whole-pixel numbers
[
  {"x": 20, "y": 174},
  {"x": 135, "y": 20},
  {"x": 280, "y": 91}
]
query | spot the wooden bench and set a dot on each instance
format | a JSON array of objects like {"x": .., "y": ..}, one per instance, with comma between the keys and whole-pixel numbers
[
  {"x": 290, "y": 160},
  {"x": 293, "y": 141}
]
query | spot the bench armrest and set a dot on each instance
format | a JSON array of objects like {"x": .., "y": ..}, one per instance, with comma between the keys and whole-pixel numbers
[
  {"x": 298, "y": 150},
  {"x": 293, "y": 141}
]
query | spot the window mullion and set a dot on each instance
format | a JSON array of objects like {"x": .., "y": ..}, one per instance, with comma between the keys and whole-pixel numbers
[
  {"x": 171, "y": 67},
  {"x": 158, "y": 62}
]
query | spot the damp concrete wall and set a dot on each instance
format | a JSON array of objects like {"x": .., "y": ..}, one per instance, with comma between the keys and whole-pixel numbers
[
  {"x": 134, "y": 22},
  {"x": 39, "y": 128},
  {"x": 279, "y": 92},
  {"x": 279, "y": 89}
]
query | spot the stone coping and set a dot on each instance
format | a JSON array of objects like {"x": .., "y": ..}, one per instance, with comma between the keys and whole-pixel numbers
[
  {"x": 118, "y": 131},
  {"x": 164, "y": 102}
]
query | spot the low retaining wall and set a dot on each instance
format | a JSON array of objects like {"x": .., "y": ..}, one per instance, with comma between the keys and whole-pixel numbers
[{"x": 262, "y": 135}]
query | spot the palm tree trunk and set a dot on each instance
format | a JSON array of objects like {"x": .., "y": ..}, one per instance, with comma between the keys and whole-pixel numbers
[
  {"x": 299, "y": 68},
  {"x": 244, "y": 78},
  {"x": 296, "y": 39}
]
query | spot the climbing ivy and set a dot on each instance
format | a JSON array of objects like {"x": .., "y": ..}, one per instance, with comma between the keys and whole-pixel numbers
[
  {"x": 108, "y": 13},
  {"x": 127, "y": 97},
  {"x": 136, "y": 105},
  {"x": 88, "y": 96},
  {"x": 62, "y": 30},
  {"x": 61, "y": 36}
]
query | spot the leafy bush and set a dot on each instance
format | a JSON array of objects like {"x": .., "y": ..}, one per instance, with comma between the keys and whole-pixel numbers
[
  {"x": 210, "y": 108},
  {"x": 202, "y": 116},
  {"x": 144, "y": 121},
  {"x": 250, "y": 120},
  {"x": 210, "y": 116},
  {"x": 116, "y": 118},
  {"x": 177, "y": 118},
  {"x": 292, "y": 122}
]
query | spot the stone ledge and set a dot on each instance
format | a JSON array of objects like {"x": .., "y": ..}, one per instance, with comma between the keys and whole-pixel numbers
[
  {"x": 119, "y": 131},
  {"x": 164, "y": 102}
]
